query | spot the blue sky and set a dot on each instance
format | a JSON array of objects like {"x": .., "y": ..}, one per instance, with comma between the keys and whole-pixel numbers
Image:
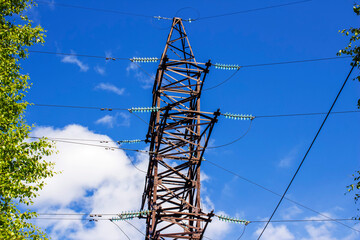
[{"x": 269, "y": 154}]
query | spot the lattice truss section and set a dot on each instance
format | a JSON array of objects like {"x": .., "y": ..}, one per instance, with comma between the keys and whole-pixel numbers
[{"x": 178, "y": 135}]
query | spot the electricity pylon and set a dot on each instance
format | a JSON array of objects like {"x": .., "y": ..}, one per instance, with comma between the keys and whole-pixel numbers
[{"x": 178, "y": 135}]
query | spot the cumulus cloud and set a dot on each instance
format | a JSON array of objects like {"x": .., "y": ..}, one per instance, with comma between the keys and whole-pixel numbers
[
  {"x": 147, "y": 81},
  {"x": 99, "y": 70},
  {"x": 74, "y": 60},
  {"x": 111, "y": 88},
  {"x": 92, "y": 180}
]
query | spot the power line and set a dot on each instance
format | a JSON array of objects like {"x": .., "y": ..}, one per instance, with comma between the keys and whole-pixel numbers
[
  {"x": 275, "y": 193},
  {"x": 80, "y": 107},
  {"x": 234, "y": 141},
  {"x": 126, "y": 109},
  {"x": 242, "y": 233},
  {"x": 90, "y": 140},
  {"x": 95, "y": 9},
  {"x": 307, "y": 220},
  {"x": 119, "y": 228},
  {"x": 166, "y": 18},
  {"x": 79, "y": 55},
  {"x": 137, "y": 229},
  {"x": 76, "y": 214},
  {"x": 295, "y": 61},
  {"x": 252, "y": 10},
  {"x": 241, "y": 66},
  {"x": 272, "y": 64},
  {"x": 102, "y": 146},
  {"x": 221, "y": 83},
  {"x": 304, "y": 114},
  {"x": 251, "y": 221},
  {"x": 105, "y": 147},
  {"x": 254, "y": 183},
  {"x": 302, "y": 161}
]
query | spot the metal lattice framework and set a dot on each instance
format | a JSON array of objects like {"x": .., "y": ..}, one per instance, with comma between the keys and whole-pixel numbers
[{"x": 178, "y": 135}]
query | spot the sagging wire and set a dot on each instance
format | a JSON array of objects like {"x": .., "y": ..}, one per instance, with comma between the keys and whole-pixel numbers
[
  {"x": 136, "y": 228},
  {"x": 221, "y": 83},
  {"x": 237, "y": 139},
  {"x": 119, "y": 228},
  {"x": 242, "y": 233}
]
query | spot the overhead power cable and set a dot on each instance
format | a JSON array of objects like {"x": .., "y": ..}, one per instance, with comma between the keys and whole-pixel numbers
[
  {"x": 307, "y": 152},
  {"x": 137, "y": 229},
  {"x": 250, "y": 221},
  {"x": 120, "y": 229},
  {"x": 295, "y": 61},
  {"x": 278, "y": 194},
  {"x": 105, "y": 147},
  {"x": 95, "y": 145},
  {"x": 239, "y": 66},
  {"x": 252, "y": 10},
  {"x": 166, "y": 18},
  {"x": 92, "y": 140},
  {"x": 95, "y": 9},
  {"x": 80, "y": 107},
  {"x": 242, "y": 233},
  {"x": 307, "y": 220},
  {"x": 127, "y": 109},
  {"x": 234, "y": 141},
  {"x": 221, "y": 83},
  {"x": 304, "y": 114},
  {"x": 79, "y": 55}
]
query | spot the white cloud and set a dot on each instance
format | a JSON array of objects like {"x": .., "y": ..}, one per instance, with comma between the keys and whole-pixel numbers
[
  {"x": 74, "y": 60},
  {"x": 323, "y": 230},
  {"x": 111, "y": 88},
  {"x": 92, "y": 180},
  {"x": 119, "y": 119},
  {"x": 107, "y": 120},
  {"x": 99, "y": 70},
  {"x": 204, "y": 177},
  {"x": 307, "y": 230},
  {"x": 147, "y": 81},
  {"x": 280, "y": 232}
]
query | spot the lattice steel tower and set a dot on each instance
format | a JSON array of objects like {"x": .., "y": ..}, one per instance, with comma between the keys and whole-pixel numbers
[{"x": 178, "y": 135}]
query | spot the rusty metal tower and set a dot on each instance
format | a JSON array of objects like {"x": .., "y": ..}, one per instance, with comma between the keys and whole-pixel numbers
[{"x": 178, "y": 135}]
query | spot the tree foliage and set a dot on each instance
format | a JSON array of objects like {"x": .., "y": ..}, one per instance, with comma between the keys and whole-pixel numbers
[
  {"x": 355, "y": 186},
  {"x": 353, "y": 48},
  {"x": 22, "y": 168}
]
